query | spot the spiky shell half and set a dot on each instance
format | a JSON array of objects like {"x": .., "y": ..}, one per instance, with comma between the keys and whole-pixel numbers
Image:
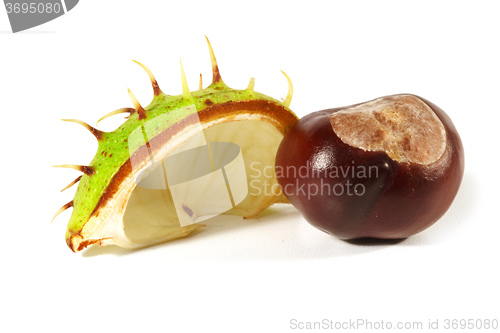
[{"x": 106, "y": 188}]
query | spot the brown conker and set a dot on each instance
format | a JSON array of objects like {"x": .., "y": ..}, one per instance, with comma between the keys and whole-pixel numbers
[{"x": 387, "y": 169}]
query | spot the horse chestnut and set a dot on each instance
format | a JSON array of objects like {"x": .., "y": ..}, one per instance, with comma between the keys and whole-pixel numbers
[{"x": 388, "y": 168}]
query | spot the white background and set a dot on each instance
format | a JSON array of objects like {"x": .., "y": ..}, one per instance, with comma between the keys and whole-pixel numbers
[{"x": 256, "y": 275}]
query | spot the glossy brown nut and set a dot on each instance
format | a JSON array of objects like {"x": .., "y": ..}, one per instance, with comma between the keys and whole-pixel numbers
[{"x": 388, "y": 168}]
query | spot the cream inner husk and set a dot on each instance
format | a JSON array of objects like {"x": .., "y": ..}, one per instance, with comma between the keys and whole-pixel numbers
[{"x": 224, "y": 169}]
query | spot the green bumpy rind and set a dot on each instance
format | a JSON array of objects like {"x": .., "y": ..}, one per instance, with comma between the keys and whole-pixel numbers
[{"x": 113, "y": 150}]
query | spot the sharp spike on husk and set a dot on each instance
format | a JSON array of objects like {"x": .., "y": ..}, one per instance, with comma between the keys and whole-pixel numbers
[
  {"x": 154, "y": 83},
  {"x": 112, "y": 113},
  {"x": 288, "y": 98},
  {"x": 72, "y": 183},
  {"x": 251, "y": 84},
  {"x": 201, "y": 82},
  {"x": 140, "y": 111},
  {"x": 215, "y": 69},
  {"x": 88, "y": 170},
  {"x": 185, "y": 88},
  {"x": 94, "y": 131},
  {"x": 62, "y": 209},
  {"x": 135, "y": 102}
]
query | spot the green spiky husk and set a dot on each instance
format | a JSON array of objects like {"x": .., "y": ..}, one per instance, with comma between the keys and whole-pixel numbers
[{"x": 114, "y": 149}]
